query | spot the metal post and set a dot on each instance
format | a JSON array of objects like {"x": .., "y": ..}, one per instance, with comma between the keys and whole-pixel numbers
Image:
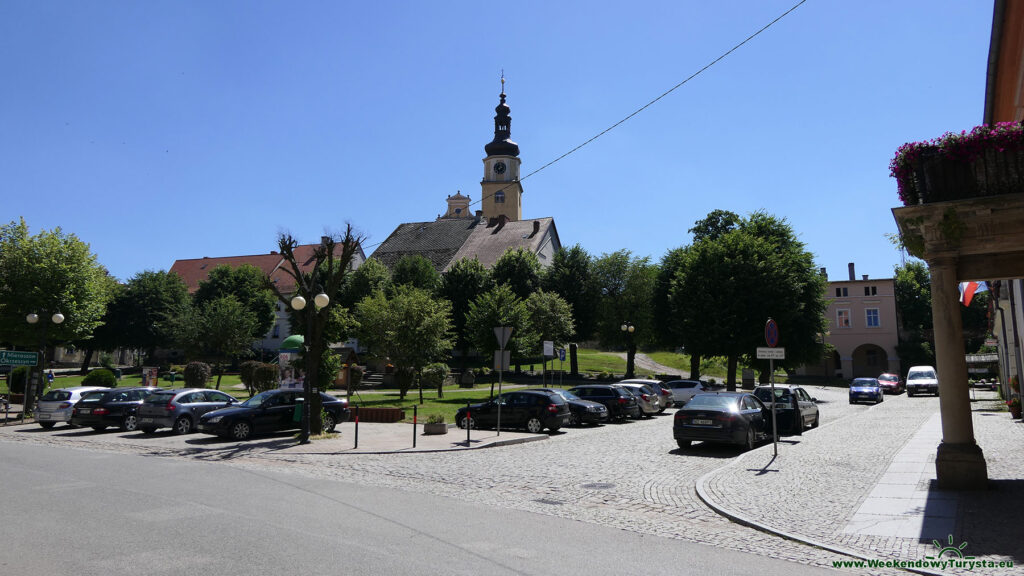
[
  {"x": 501, "y": 377},
  {"x": 357, "y": 429},
  {"x": 775, "y": 428},
  {"x": 469, "y": 420},
  {"x": 414, "y": 407}
]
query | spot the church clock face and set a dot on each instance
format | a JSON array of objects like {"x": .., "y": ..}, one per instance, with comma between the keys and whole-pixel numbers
[{"x": 499, "y": 168}]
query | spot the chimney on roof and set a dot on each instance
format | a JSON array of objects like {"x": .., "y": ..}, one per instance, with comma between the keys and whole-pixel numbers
[
  {"x": 324, "y": 239},
  {"x": 536, "y": 228},
  {"x": 864, "y": 277},
  {"x": 823, "y": 272},
  {"x": 853, "y": 273}
]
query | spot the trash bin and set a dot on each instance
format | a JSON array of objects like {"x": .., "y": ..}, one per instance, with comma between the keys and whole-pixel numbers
[
  {"x": 117, "y": 373},
  {"x": 297, "y": 414},
  {"x": 173, "y": 374}
]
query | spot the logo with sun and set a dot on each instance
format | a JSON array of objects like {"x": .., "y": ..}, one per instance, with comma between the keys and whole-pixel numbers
[{"x": 952, "y": 550}]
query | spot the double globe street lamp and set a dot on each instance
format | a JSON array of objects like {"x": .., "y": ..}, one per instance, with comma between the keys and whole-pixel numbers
[
  {"x": 320, "y": 301},
  {"x": 628, "y": 328},
  {"x": 30, "y": 392}
]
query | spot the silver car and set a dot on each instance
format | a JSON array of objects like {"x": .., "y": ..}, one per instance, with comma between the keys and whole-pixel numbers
[
  {"x": 661, "y": 392},
  {"x": 684, "y": 390},
  {"x": 180, "y": 409},
  {"x": 645, "y": 397},
  {"x": 56, "y": 405}
]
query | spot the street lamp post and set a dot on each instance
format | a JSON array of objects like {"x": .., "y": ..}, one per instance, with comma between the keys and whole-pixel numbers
[
  {"x": 30, "y": 390},
  {"x": 312, "y": 346},
  {"x": 628, "y": 328}
]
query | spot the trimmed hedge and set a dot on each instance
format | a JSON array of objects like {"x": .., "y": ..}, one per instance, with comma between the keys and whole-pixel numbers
[
  {"x": 100, "y": 377},
  {"x": 197, "y": 374}
]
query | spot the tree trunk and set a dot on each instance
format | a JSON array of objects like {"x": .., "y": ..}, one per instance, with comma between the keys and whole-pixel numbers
[
  {"x": 419, "y": 384},
  {"x": 630, "y": 359},
  {"x": 695, "y": 366},
  {"x": 220, "y": 373},
  {"x": 84, "y": 369},
  {"x": 730, "y": 384}
]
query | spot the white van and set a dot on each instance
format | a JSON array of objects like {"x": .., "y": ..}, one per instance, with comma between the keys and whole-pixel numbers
[{"x": 922, "y": 380}]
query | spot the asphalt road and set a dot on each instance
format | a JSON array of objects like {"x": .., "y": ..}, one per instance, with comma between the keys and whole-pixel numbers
[{"x": 73, "y": 511}]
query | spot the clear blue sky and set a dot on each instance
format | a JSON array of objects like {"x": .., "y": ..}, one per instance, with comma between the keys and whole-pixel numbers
[{"x": 159, "y": 130}]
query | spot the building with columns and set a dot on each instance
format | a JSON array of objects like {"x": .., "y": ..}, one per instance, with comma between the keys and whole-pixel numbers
[{"x": 485, "y": 233}]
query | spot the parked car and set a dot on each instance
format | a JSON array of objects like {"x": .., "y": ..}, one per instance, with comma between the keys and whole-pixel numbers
[
  {"x": 726, "y": 417},
  {"x": 580, "y": 411},
  {"x": 662, "y": 393},
  {"x": 922, "y": 380},
  {"x": 180, "y": 409},
  {"x": 621, "y": 404},
  {"x": 683, "y": 390},
  {"x": 795, "y": 409},
  {"x": 645, "y": 398},
  {"x": 891, "y": 383},
  {"x": 534, "y": 410},
  {"x": 110, "y": 407},
  {"x": 269, "y": 411},
  {"x": 56, "y": 405},
  {"x": 866, "y": 389}
]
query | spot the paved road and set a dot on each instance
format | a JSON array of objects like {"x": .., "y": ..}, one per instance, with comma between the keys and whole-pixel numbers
[{"x": 628, "y": 476}]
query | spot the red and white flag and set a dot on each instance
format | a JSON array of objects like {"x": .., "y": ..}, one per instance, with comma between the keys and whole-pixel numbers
[{"x": 969, "y": 289}]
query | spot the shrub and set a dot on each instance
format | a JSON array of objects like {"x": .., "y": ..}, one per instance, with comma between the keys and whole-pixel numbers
[
  {"x": 264, "y": 377},
  {"x": 197, "y": 374},
  {"x": 107, "y": 361},
  {"x": 247, "y": 372},
  {"x": 435, "y": 419},
  {"x": 355, "y": 378},
  {"x": 18, "y": 380},
  {"x": 404, "y": 378},
  {"x": 177, "y": 368},
  {"x": 100, "y": 377},
  {"x": 330, "y": 365},
  {"x": 433, "y": 375}
]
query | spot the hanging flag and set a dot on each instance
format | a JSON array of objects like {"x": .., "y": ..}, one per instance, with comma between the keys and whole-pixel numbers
[{"x": 969, "y": 289}]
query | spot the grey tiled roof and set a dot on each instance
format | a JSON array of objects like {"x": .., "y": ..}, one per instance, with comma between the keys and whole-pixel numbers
[
  {"x": 437, "y": 241},
  {"x": 488, "y": 243}
]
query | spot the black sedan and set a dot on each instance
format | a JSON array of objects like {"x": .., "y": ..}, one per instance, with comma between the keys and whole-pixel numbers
[
  {"x": 531, "y": 409},
  {"x": 621, "y": 404},
  {"x": 580, "y": 411},
  {"x": 111, "y": 407},
  {"x": 727, "y": 417},
  {"x": 270, "y": 411}
]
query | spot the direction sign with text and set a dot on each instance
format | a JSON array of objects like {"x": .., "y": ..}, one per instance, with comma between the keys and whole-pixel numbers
[
  {"x": 771, "y": 353},
  {"x": 16, "y": 358}
]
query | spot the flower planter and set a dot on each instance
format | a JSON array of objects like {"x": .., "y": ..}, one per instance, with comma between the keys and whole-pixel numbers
[
  {"x": 1015, "y": 412},
  {"x": 431, "y": 429}
]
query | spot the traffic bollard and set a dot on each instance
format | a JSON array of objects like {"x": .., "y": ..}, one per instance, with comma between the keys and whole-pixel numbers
[
  {"x": 357, "y": 429},
  {"x": 414, "y": 426}
]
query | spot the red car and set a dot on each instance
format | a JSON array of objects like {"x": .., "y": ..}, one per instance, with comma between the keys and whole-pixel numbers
[{"x": 891, "y": 383}]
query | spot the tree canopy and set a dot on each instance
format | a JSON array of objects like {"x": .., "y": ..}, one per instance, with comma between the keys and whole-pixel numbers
[
  {"x": 519, "y": 269},
  {"x": 570, "y": 276},
  {"x": 248, "y": 285},
  {"x": 416, "y": 271}
]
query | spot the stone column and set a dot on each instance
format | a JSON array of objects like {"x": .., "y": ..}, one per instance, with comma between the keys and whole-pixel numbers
[{"x": 959, "y": 462}]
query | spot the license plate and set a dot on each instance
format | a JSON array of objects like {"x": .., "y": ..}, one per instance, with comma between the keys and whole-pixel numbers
[
  {"x": 702, "y": 422},
  {"x": 146, "y": 420},
  {"x": 85, "y": 411}
]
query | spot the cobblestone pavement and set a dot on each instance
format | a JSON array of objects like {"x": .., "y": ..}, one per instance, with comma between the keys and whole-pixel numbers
[
  {"x": 629, "y": 475},
  {"x": 836, "y": 469}
]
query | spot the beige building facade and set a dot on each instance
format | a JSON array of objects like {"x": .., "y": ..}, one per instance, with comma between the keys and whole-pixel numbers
[{"x": 863, "y": 328}]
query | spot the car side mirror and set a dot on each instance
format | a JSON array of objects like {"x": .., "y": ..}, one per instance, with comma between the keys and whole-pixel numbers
[{"x": 815, "y": 400}]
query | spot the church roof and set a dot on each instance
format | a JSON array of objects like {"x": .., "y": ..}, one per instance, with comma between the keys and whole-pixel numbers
[{"x": 445, "y": 242}]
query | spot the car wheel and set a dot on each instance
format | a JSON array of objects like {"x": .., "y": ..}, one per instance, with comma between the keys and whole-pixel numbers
[
  {"x": 182, "y": 425},
  {"x": 814, "y": 424},
  {"x": 47, "y": 425},
  {"x": 99, "y": 427},
  {"x": 683, "y": 443},
  {"x": 147, "y": 429},
  {"x": 462, "y": 423},
  {"x": 534, "y": 426},
  {"x": 130, "y": 423},
  {"x": 328, "y": 423},
  {"x": 910, "y": 394},
  {"x": 749, "y": 443},
  {"x": 574, "y": 420},
  {"x": 240, "y": 430}
]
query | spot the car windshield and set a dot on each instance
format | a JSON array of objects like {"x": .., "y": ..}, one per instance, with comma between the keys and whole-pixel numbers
[
  {"x": 865, "y": 383},
  {"x": 56, "y": 396},
  {"x": 923, "y": 375},
  {"x": 93, "y": 397},
  {"x": 887, "y": 378},
  {"x": 567, "y": 394},
  {"x": 682, "y": 384},
  {"x": 765, "y": 394},
  {"x": 713, "y": 401},
  {"x": 258, "y": 399}
]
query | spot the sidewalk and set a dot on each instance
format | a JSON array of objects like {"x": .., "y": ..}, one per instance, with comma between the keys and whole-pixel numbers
[{"x": 873, "y": 495}]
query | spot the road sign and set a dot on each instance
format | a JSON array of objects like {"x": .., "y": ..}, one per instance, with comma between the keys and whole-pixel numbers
[
  {"x": 549, "y": 348},
  {"x": 561, "y": 354},
  {"x": 771, "y": 353},
  {"x": 15, "y": 358},
  {"x": 502, "y": 359},
  {"x": 502, "y": 333},
  {"x": 771, "y": 333},
  {"x": 991, "y": 342}
]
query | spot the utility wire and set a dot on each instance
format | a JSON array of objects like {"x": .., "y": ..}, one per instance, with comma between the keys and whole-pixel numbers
[{"x": 644, "y": 107}]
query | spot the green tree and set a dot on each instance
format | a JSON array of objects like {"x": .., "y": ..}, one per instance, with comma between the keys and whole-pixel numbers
[
  {"x": 411, "y": 328},
  {"x": 550, "y": 318},
  {"x": 570, "y": 277},
  {"x": 219, "y": 330},
  {"x": 727, "y": 287},
  {"x": 519, "y": 269},
  {"x": 627, "y": 290},
  {"x": 49, "y": 273},
  {"x": 715, "y": 225},
  {"x": 460, "y": 285},
  {"x": 416, "y": 271},
  {"x": 248, "y": 285},
  {"x": 499, "y": 306},
  {"x": 369, "y": 277}
]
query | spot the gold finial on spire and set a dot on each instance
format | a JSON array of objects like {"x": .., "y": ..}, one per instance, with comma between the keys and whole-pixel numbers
[{"x": 502, "y": 79}]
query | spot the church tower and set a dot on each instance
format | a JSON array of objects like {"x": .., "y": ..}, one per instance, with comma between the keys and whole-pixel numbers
[{"x": 502, "y": 192}]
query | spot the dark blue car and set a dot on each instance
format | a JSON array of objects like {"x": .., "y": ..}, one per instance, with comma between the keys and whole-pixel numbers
[
  {"x": 866, "y": 390},
  {"x": 270, "y": 411}
]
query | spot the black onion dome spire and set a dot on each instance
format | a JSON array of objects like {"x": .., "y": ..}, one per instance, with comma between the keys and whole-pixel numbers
[{"x": 502, "y": 145}]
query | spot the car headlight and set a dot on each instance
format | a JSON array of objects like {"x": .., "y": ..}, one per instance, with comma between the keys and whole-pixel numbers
[{"x": 214, "y": 420}]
